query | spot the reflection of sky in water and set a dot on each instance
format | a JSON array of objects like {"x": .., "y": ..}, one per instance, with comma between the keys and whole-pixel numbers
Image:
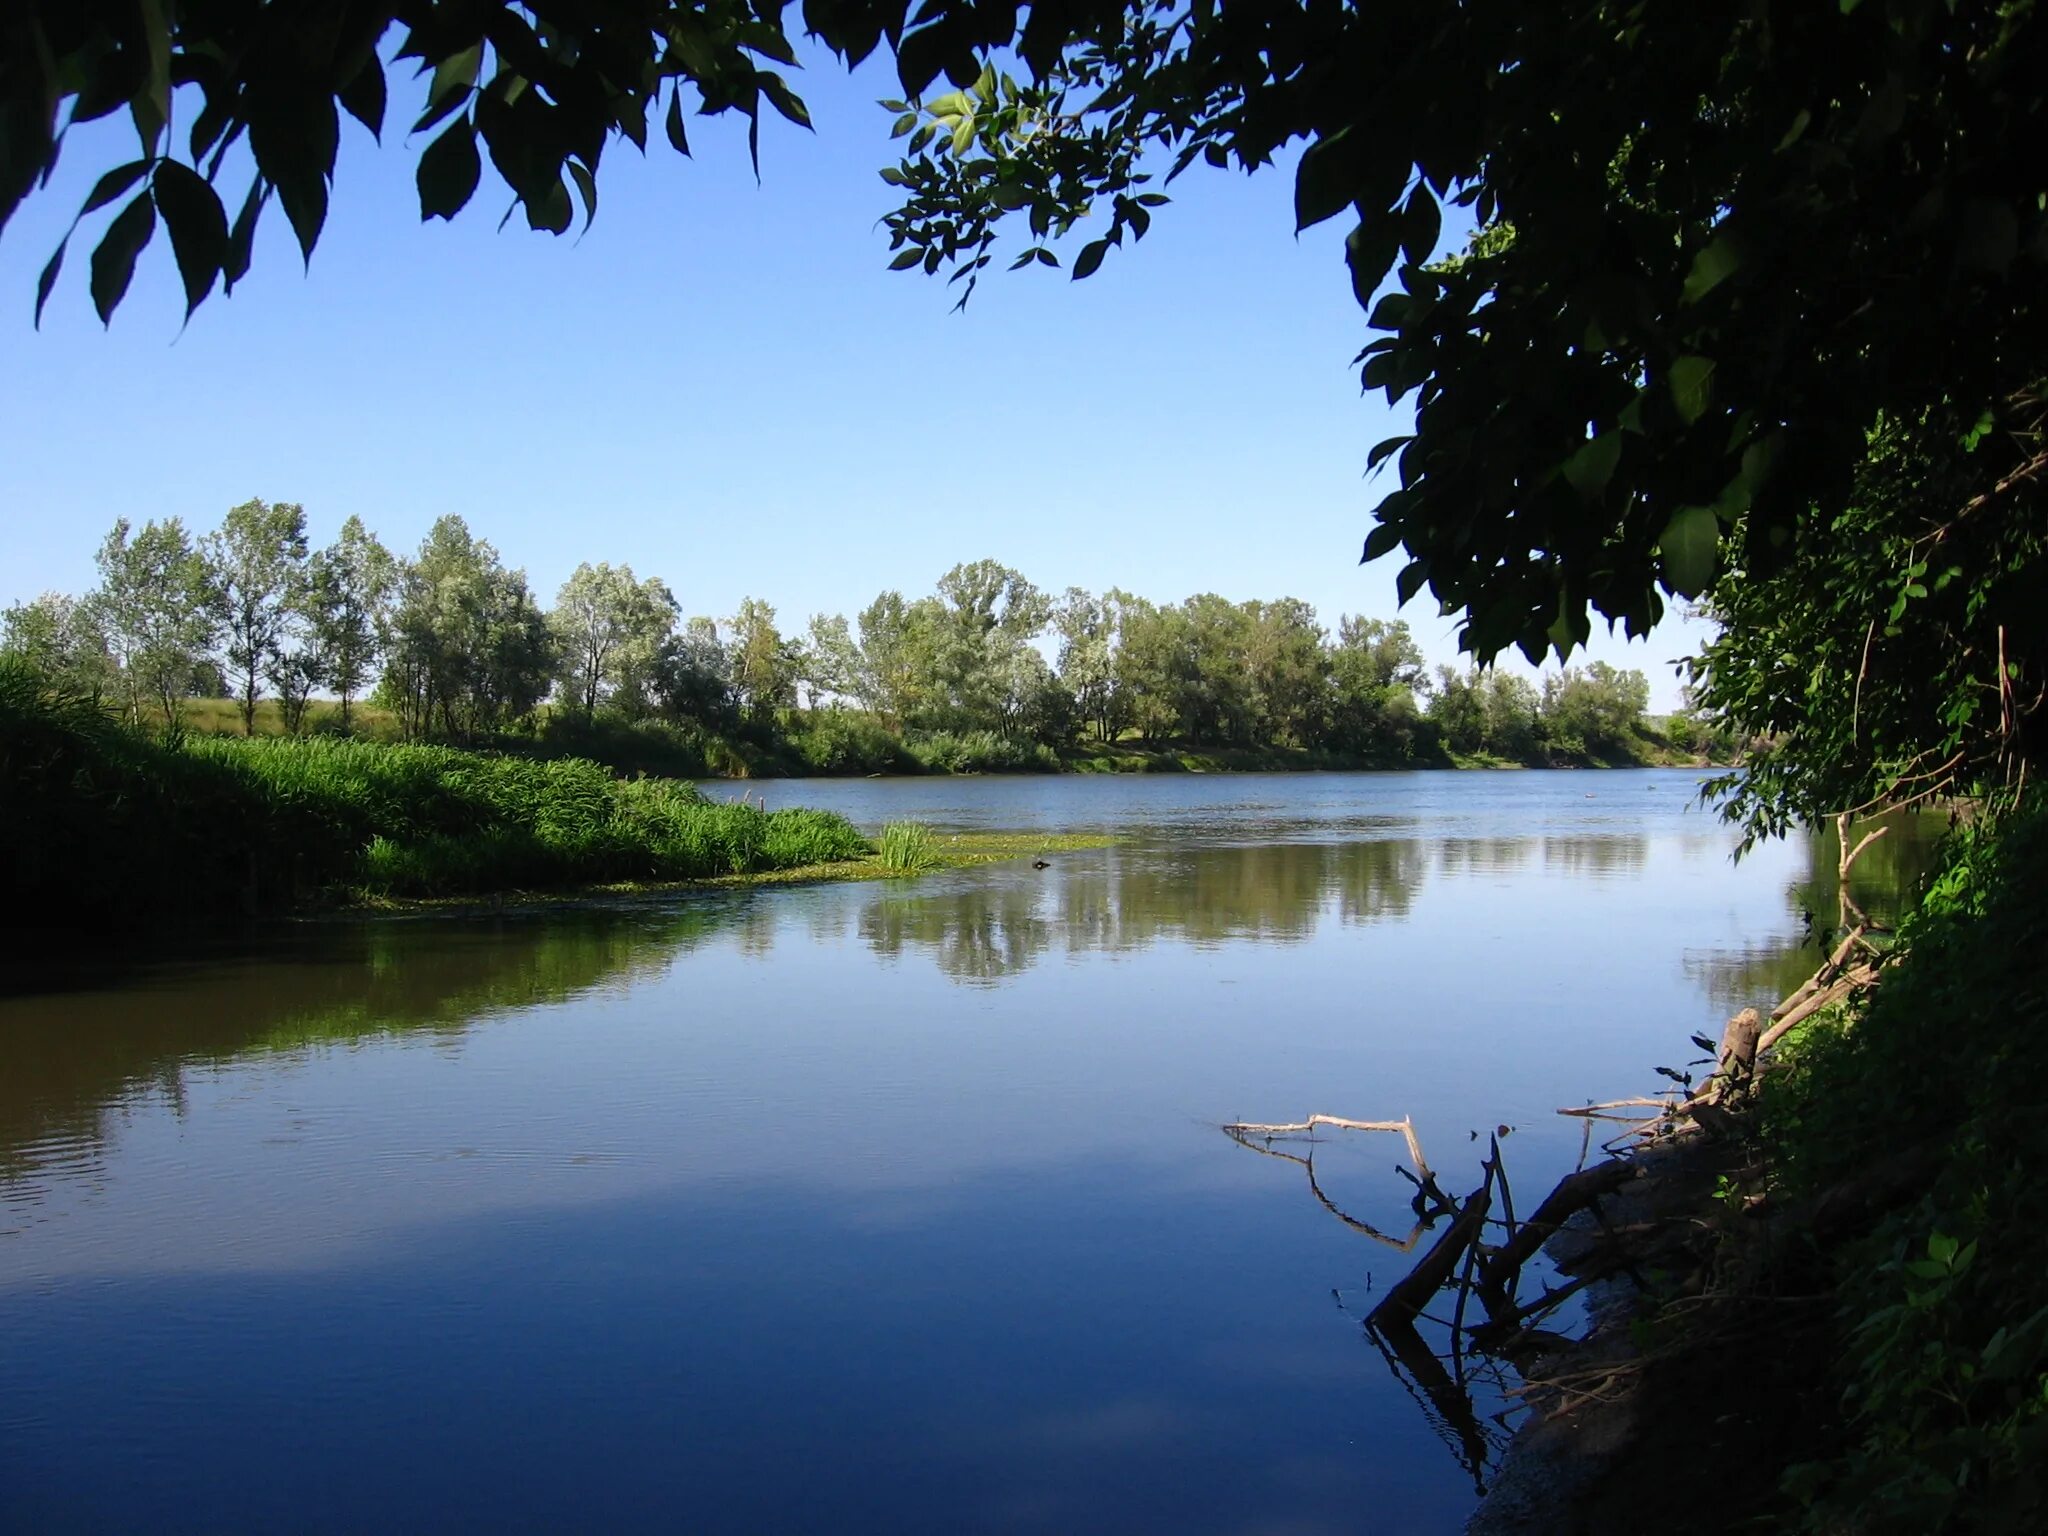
[{"x": 861, "y": 1206}]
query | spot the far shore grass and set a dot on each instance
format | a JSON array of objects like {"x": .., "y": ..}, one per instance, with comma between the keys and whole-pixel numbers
[{"x": 952, "y": 851}]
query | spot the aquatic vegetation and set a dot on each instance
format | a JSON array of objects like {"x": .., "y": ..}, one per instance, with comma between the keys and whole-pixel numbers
[{"x": 908, "y": 847}]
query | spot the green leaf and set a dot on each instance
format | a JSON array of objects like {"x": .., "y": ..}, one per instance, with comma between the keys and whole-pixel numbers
[
  {"x": 1422, "y": 221},
  {"x": 1323, "y": 180},
  {"x": 305, "y": 205},
  {"x": 49, "y": 279},
  {"x": 785, "y": 101},
  {"x": 198, "y": 227},
  {"x": 908, "y": 257},
  {"x": 1692, "y": 386},
  {"x": 363, "y": 97},
  {"x": 454, "y": 75},
  {"x": 242, "y": 238},
  {"x": 1591, "y": 466},
  {"x": 676, "y": 136},
  {"x": 904, "y": 124},
  {"x": 586, "y": 188},
  {"x": 151, "y": 106},
  {"x": 1090, "y": 258},
  {"x": 952, "y": 104},
  {"x": 1383, "y": 540},
  {"x": 1688, "y": 549},
  {"x": 1410, "y": 581},
  {"x": 1384, "y": 450},
  {"x": 1713, "y": 266},
  {"x": 113, "y": 259},
  {"x": 113, "y": 184},
  {"x": 963, "y": 136},
  {"x": 1369, "y": 250},
  {"x": 449, "y": 171}
]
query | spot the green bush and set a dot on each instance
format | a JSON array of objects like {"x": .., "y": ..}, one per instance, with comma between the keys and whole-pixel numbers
[
  {"x": 1944, "y": 1302},
  {"x": 837, "y": 741},
  {"x": 981, "y": 752}
]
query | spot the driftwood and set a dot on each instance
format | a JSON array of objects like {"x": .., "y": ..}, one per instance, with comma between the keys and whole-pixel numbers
[
  {"x": 1406, "y": 1127},
  {"x": 1407, "y": 1297},
  {"x": 1497, "y": 1276},
  {"x": 1598, "y": 1111}
]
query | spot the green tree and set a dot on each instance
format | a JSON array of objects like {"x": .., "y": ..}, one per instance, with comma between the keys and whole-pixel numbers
[
  {"x": 258, "y": 556},
  {"x": 830, "y": 661},
  {"x": 986, "y": 616},
  {"x": 1376, "y": 670},
  {"x": 470, "y": 651},
  {"x": 1287, "y": 670},
  {"x": 609, "y": 627},
  {"x": 693, "y": 676},
  {"x": 352, "y": 582},
  {"x": 1596, "y": 709},
  {"x": 161, "y": 611},
  {"x": 764, "y": 664},
  {"x": 1151, "y": 668},
  {"x": 893, "y": 673},
  {"x": 1087, "y": 667},
  {"x": 1902, "y": 659},
  {"x": 61, "y": 638}
]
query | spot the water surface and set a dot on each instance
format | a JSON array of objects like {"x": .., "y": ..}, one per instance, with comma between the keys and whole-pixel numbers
[{"x": 864, "y": 1207}]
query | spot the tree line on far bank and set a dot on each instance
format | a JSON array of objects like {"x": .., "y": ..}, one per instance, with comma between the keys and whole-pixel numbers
[{"x": 987, "y": 671}]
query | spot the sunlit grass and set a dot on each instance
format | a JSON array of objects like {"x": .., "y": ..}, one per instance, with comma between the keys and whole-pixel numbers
[{"x": 907, "y": 848}]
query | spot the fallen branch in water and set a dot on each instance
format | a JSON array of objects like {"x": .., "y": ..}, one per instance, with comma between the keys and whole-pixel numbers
[
  {"x": 1595, "y": 1111},
  {"x": 1405, "y": 1126},
  {"x": 1409, "y": 1295}
]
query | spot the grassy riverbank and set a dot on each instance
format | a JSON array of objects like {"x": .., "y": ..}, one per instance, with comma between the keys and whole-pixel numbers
[
  {"x": 108, "y": 826},
  {"x": 843, "y": 744},
  {"x": 965, "y": 850}
]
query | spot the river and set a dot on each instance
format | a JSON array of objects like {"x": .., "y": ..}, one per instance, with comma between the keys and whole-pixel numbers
[{"x": 853, "y": 1207}]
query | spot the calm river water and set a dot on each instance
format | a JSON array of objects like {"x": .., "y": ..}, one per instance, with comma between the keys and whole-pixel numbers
[{"x": 872, "y": 1207}]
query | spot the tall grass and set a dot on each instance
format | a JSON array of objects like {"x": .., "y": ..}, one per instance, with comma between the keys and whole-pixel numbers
[
  {"x": 907, "y": 847},
  {"x": 100, "y": 824}
]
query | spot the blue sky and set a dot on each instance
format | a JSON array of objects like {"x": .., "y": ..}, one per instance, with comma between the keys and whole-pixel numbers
[{"x": 721, "y": 384}]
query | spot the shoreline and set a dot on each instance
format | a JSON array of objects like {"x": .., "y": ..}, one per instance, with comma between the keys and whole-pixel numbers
[{"x": 957, "y": 851}]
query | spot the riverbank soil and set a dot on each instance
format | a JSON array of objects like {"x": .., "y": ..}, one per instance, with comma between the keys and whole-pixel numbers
[{"x": 1705, "y": 1372}]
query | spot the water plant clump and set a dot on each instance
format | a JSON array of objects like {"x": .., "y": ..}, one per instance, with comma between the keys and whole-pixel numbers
[{"x": 908, "y": 848}]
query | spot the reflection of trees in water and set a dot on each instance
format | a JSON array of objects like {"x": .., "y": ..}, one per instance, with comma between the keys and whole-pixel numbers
[
  {"x": 1596, "y": 856},
  {"x": 73, "y": 1054},
  {"x": 1886, "y": 882},
  {"x": 1120, "y": 902},
  {"x": 1483, "y": 855},
  {"x": 977, "y": 932}
]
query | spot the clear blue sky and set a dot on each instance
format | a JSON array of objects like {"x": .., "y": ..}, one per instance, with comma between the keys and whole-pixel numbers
[{"x": 721, "y": 385}]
